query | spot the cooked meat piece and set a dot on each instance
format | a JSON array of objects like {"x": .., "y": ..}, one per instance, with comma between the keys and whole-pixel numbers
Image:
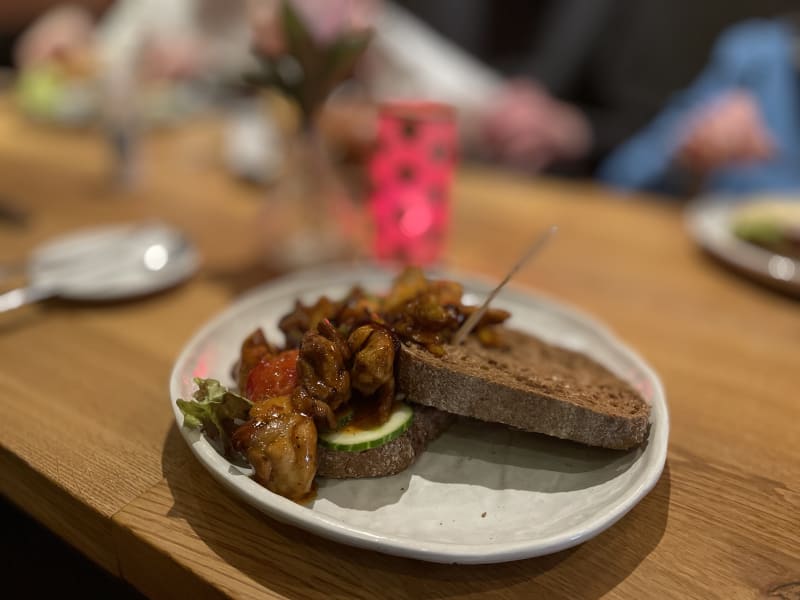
[
  {"x": 281, "y": 445},
  {"x": 306, "y": 318},
  {"x": 407, "y": 285},
  {"x": 446, "y": 292},
  {"x": 384, "y": 399},
  {"x": 373, "y": 348},
  {"x": 430, "y": 312},
  {"x": 492, "y": 316},
  {"x": 490, "y": 337},
  {"x": 358, "y": 308},
  {"x": 424, "y": 321},
  {"x": 322, "y": 366},
  {"x": 322, "y": 414}
]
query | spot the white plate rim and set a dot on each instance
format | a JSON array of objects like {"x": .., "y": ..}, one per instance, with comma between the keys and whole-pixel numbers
[{"x": 287, "y": 511}]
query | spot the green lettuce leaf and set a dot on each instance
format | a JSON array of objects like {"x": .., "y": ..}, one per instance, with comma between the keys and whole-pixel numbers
[{"x": 213, "y": 409}]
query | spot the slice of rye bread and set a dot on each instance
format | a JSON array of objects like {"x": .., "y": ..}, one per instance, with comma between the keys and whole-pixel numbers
[
  {"x": 531, "y": 385},
  {"x": 391, "y": 458}
]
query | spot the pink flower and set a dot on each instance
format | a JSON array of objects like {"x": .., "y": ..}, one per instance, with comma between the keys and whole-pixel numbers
[
  {"x": 329, "y": 19},
  {"x": 325, "y": 19},
  {"x": 291, "y": 58}
]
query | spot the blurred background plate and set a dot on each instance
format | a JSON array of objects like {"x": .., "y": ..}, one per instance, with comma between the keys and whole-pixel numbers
[
  {"x": 114, "y": 262},
  {"x": 711, "y": 222}
]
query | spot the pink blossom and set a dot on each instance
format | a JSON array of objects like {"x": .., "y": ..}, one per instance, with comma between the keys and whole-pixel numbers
[{"x": 328, "y": 19}]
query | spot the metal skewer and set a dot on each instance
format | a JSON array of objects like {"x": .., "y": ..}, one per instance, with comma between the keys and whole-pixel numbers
[{"x": 475, "y": 317}]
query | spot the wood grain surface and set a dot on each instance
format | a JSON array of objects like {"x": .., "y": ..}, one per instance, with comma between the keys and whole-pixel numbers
[{"x": 88, "y": 444}]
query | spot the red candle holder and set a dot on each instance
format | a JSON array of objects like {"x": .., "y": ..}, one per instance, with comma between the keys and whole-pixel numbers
[{"x": 411, "y": 173}]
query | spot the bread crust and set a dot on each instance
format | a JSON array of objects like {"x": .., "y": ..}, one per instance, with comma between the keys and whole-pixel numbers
[{"x": 531, "y": 385}]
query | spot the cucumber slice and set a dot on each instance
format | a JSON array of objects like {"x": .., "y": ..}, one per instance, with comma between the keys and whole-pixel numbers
[{"x": 358, "y": 440}]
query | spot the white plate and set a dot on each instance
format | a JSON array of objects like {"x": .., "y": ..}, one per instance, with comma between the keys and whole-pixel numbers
[
  {"x": 480, "y": 493},
  {"x": 113, "y": 262},
  {"x": 710, "y": 222}
]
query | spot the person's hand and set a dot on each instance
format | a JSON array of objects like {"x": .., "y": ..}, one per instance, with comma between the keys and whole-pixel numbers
[
  {"x": 59, "y": 33},
  {"x": 727, "y": 131},
  {"x": 527, "y": 127}
]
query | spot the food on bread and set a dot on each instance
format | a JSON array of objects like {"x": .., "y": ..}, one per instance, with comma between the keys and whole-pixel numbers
[
  {"x": 391, "y": 457},
  {"x": 354, "y": 437},
  {"x": 527, "y": 384},
  {"x": 328, "y": 403}
]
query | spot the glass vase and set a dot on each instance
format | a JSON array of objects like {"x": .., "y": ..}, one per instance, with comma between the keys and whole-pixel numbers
[{"x": 309, "y": 215}]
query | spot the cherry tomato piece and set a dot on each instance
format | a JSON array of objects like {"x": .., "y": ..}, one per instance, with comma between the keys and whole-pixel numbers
[{"x": 273, "y": 376}]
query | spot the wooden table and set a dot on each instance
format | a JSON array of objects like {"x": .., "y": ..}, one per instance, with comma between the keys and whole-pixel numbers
[{"x": 88, "y": 445}]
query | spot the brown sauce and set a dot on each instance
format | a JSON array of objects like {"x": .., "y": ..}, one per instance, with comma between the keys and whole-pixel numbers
[{"x": 366, "y": 415}]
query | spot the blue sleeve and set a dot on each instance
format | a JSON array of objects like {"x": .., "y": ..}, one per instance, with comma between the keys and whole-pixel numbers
[{"x": 646, "y": 161}]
